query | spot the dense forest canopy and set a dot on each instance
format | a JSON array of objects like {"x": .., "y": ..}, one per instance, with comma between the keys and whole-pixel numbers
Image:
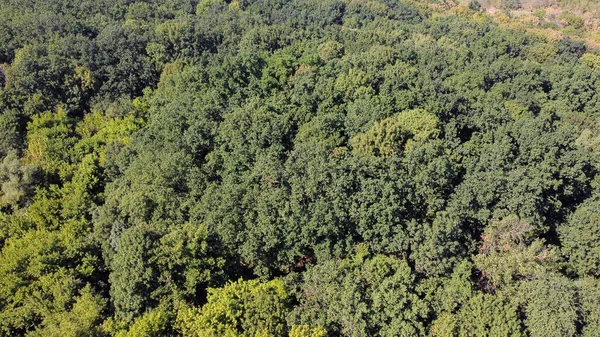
[{"x": 302, "y": 168}]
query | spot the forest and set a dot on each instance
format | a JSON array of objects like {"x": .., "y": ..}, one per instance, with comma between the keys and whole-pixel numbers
[{"x": 294, "y": 168}]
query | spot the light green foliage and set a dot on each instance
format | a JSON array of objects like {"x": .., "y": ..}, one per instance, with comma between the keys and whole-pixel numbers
[
  {"x": 421, "y": 124},
  {"x": 446, "y": 325},
  {"x": 96, "y": 131},
  {"x": 462, "y": 310},
  {"x": 82, "y": 320},
  {"x": 28, "y": 264},
  {"x": 591, "y": 60},
  {"x": 447, "y": 295},
  {"x": 242, "y": 308},
  {"x": 330, "y": 50},
  {"x": 373, "y": 296},
  {"x": 508, "y": 252},
  {"x": 151, "y": 324},
  {"x": 37, "y": 288},
  {"x": 389, "y": 136},
  {"x": 515, "y": 110},
  {"x": 53, "y": 239},
  {"x": 205, "y": 5},
  {"x": 80, "y": 192},
  {"x": 50, "y": 139},
  {"x": 386, "y": 138},
  {"x": 306, "y": 331},
  {"x": 572, "y": 20},
  {"x": 543, "y": 52},
  {"x": 589, "y": 140},
  {"x": 176, "y": 38},
  {"x": 354, "y": 84},
  {"x": 189, "y": 259}
]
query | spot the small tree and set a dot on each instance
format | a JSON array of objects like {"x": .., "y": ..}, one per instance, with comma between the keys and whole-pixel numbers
[{"x": 475, "y": 5}]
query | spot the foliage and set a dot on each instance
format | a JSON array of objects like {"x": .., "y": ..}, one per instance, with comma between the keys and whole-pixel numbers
[
  {"x": 578, "y": 239},
  {"x": 373, "y": 296},
  {"x": 302, "y": 168},
  {"x": 242, "y": 308}
]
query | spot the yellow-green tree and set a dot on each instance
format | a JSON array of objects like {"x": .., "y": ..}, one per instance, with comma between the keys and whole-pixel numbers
[
  {"x": 242, "y": 308},
  {"x": 392, "y": 135}
]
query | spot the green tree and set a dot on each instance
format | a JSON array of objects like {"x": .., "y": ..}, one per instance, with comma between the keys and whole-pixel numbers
[
  {"x": 17, "y": 181},
  {"x": 82, "y": 320},
  {"x": 189, "y": 259},
  {"x": 242, "y": 308},
  {"x": 50, "y": 139},
  {"x": 510, "y": 251},
  {"x": 391, "y": 135},
  {"x": 330, "y": 50},
  {"x": 150, "y": 324},
  {"x": 578, "y": 238},
  {"x": 552, "y": 308},
  {"x": 364, "y": 295},
  {"x": 133, "y": 277}
]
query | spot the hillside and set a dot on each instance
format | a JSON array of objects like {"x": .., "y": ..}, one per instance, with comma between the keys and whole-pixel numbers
[{"x": 553, "y": 19}]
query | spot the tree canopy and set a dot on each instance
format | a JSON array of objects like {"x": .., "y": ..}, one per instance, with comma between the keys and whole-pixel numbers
[{"x": 301, "y": 168}]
